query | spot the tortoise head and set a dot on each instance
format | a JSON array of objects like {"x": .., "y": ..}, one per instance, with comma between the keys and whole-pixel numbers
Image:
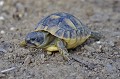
[{"x": 33, "y": 39}]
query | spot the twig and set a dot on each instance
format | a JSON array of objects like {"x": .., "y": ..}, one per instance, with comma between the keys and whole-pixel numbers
[{"x": 7, "y": 70}]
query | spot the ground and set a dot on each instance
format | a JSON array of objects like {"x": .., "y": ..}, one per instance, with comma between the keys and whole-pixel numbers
[{"x": 99, "y": 59}]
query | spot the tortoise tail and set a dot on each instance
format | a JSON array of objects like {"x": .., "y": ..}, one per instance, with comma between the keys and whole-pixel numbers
[{"x": 97, "y": 36}]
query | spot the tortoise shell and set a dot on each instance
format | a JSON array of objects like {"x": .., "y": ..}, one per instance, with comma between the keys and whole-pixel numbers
[{"x": 65, "y": 26}]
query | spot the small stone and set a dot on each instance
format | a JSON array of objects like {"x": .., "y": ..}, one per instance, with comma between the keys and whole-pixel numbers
[
  {"x": 116, "y": 53},
  {"x": 3, "y": 50},
  {"x": 98, "y": 42},
  {"x": 111, "y": 43},
  {"x": 28, "y": 60},
  {"x": 97, "y": 78},
  {"x": 11, "y": 77},
  {"x": 12, "y": 28},
  {"x": 42, "y": 56},
  {"x": 19, "y": 6},
  {"x": 47, "y": 64},
  {"x": 2, "y": 75},
  {"x": 99, "y": 49},
  {"x": 91, "y": 49},
  {"x": 118, "y": 36},
  {"x": 2, "y": 32},
  {"x": 2, "y": 18},
  {"x": 1, "y": 3}
]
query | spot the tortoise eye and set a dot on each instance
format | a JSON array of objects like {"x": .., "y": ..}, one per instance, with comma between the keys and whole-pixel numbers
[
  {"x": 40, "y": 40},
  {"x": 33, "y": 39}
]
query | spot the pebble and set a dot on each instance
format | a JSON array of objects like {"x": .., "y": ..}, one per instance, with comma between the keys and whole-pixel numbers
[
  {"x": 11, "y": 77},
  {"x": 98, "y": 42},
  {"x": 20, "y": 11},
  {"x": 1, "y": 3},
  {"x": 47, "y": 64},
  {"x": 12, "y": 28},
  {"x": 42, "y": 56},
  {"x": 19, "y": 6},
  {"x": 3, "y": 50},
  {"x": 99, "y": 49},
  {"x": 116, "y": 53},
  {"x": 2, "y": 18},
  {"x": 118, "y": 36},
  {"x": 91, "y": 49},
  {"x": 28, "y": 60},
  {"x": 97, "y": 78},
  {"x": 2, "y": 32},
  {"x": 2, "y": 75},
  {"x": 111, "y": 43}
]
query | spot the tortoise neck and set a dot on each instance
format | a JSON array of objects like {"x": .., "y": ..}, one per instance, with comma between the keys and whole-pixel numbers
[{"x": 48, "y": 38}]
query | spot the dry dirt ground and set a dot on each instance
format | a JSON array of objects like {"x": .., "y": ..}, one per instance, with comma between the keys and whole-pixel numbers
[{"x": 99, "y": 59}]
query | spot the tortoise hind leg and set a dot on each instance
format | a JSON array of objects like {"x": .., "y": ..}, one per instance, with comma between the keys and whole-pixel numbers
[{"x": 63, "y": 50}]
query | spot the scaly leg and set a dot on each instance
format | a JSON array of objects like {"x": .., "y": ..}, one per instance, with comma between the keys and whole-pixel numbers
[{"x": 63, "y": 50}]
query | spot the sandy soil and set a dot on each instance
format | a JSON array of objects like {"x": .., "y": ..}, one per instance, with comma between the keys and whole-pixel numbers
[{"x": 101, "y": 59}]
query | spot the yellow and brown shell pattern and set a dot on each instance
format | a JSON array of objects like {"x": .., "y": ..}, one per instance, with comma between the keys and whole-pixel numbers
[{"x": 65, "y": 26}]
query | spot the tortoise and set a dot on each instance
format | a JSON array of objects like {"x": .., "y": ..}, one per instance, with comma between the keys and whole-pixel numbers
[{"x": 59, "y": 32}]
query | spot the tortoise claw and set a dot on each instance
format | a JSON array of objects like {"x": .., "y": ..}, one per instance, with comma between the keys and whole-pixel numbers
[
  {"x": 49, "y": 53},
  {"x": 23, "y": 44}
]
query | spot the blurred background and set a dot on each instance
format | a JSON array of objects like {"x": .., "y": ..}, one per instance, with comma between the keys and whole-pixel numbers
[{"x": 18, "y": 17}]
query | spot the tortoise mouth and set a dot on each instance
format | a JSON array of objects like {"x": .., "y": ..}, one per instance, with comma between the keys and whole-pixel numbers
[{"x": 26, "y": 45}]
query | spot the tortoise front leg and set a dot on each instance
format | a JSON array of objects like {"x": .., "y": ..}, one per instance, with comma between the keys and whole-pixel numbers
[{"x": 63, "y": 50}]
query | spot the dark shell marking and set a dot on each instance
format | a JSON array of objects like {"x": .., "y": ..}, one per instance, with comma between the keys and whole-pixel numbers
[{"x": 63, "y": 25}]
